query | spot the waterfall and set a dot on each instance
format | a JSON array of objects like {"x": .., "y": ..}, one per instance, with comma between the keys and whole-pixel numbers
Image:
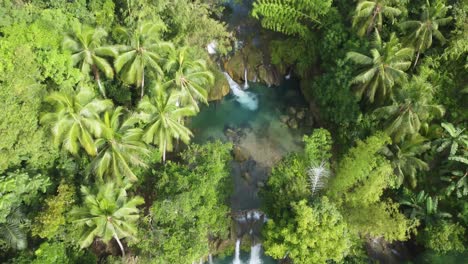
[
  {"x": 237, "y": 254},
  {"x": 211, "y": 47},
  {"x": 255, "y": 254},
  {"x": 246, "y": 84},
  {"x": 246, "y": 99},
  {"x": 210, "y": 259}
]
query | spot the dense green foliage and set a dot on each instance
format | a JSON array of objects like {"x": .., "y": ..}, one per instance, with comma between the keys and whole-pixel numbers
[
  {"x": 188, "y": 217},
  {"x": 406, "y": 181},
  {"x": 97, "y": 97},
  {"x": 313, "y": 235}
]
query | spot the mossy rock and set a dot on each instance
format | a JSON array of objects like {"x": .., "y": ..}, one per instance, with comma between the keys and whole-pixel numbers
[{"x": 220, "y": 87}]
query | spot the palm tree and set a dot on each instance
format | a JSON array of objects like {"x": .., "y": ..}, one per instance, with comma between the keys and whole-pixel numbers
[
  {"x": 85, "y": 43},
  {"x": 405, "y": 159},
  {"x": 189, "y": 76},
  {"x": 107, "y": 214},
  {"x": 453, "y": 137},
  {"x": 119, "y": 147},
  {"x": 382, "y": 69},
  {"x": 369, "y": 15},
  {"x": 76, "y": 119},
  {"x": 142, "y": 53},
  {"x": 423, "y": 207},
  {"x": 412, "y": 109},
  {"x": 422, "y": 31},
  {"x": 163, "y": 118}
]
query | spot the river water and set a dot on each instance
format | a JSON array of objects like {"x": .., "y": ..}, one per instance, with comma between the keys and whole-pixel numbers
[{"x": 263, "y": 138}]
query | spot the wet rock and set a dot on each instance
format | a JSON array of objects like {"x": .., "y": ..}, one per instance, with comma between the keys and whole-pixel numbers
[
  {"x": 246, "y": 175},
  {"x": 266, "y": 75},
  {"x": 220, "y": 87},
  {"x": 250, "y": 164},
  {"x": 309, "y": 121},
  {"x": 240, "y": 154},
  {"x": 292, "y": 123},
  {"x": 230, "y": 134},
  {"x": 260, "y": 184},
  {"x": 284, "y": 118},
  {"x": 301, "y": 114},
  {"x": 292, "y": 110}
]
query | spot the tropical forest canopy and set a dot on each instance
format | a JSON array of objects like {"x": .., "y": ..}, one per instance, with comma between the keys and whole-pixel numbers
[{"x": 97, "y": 163}]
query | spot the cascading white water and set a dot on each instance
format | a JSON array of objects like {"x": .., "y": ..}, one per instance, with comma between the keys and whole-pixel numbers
[
  {"x": 237, "y": 254},
  {"x": 246, "y": 84},
  {"x": 246, "y": 99},
  {"x": 210, "y": 259},
  {"x": 211, "y": 47},
  {"x": 255, "y": 254}
]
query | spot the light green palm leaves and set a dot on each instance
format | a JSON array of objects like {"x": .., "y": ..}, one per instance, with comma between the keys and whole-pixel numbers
[
  {"x": 189, "y": 76},
  {"x": 75, "y": 119},
  {"x": 163, "y": 118},
  {"x": 381, "y": 70},
  {"x": 85, "y": 44},
  {"x": 107, "y": 214},
  {"x": 369, "y": 15},
  {"x": 421, "y": 32},
  {"x": 120, "y": 148},
  {"x": 412, "y": 109},
  {"x": 142, "y": 53}
]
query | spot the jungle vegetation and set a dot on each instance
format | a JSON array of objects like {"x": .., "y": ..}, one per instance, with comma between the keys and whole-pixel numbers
[{"x": 96, "y": 159}]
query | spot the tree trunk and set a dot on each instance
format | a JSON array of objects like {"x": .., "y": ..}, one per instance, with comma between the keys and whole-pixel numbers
[
  {"x": 143, "y": 84},
  {"x": 98, "y": 80},
  {"x": 120, "y": 244},
  {"x": 164, "y": 151},
  {"x": 372, "y": 24}
]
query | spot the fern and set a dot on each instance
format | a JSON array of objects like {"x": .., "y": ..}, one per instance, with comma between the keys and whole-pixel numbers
[
  {"x": 290, "y": 17},
  {"x": 11, "y": 232},
  {"x": 318, "y": 176}
]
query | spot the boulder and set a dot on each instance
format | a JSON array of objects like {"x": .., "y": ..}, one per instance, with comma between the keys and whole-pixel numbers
[
  {"x": 230, "y": 134},
  {"x": 291, "y": 110},
  {"x": 246, "y": 175},
  {"x": 240, "y": 154},
  {"x": 284, "y": 118},
  {"x": 292, "y": 123},
  {"x": 235, "y": 67},
  {"x": 260, "y": 184},
  {"x": 220, "y": 87},
  {"x": 301, "y": 114}
]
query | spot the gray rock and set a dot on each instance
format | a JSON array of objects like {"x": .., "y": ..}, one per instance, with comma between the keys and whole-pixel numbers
[
  {"x": 247, "y": 176},
  {"x": 260, "y": 184},
  {"x": 292, "y": 123},
  {"x": 300, "y": 114},
  {"x": 292, "y": 110},
  {"x": 240, "y": 154},
  {"x": 284, "y": 118}
]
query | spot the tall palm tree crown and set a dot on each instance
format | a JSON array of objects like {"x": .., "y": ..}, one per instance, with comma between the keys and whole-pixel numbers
[
  {"x": 369, "y": 15},
  {"x": 76, "y": 119},
  {"x": 142, "y": 53},
  {"x": 85, "y": 43},
  {"x": 107, "y": 214},
  {"x": 163, "y": 117},
  {"x": 412, "y": 109},
  {"x": 119, "y": 147},
  {"x": 421, "y": 31},
  {"x": 382, "y": 69},
  {"x": 189, "y": 76}
]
